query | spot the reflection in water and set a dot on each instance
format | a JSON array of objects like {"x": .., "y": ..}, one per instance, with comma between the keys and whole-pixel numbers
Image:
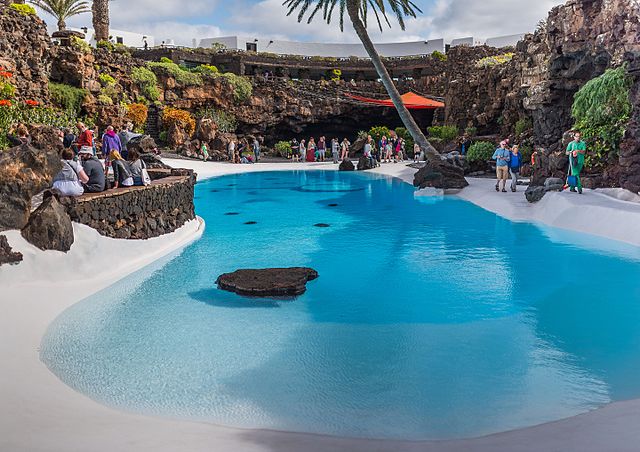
[{"x": 433, "y": 320}]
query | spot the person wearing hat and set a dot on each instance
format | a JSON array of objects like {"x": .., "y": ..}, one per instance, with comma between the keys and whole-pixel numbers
[
  {"x": 94, "y": 171},
  {"x": 502, "y": 156}
]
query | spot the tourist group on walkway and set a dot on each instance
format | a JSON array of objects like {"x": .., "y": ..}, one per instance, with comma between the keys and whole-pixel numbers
[
  {"x": 242, "y": 151},
  {"x": 82, "y": 171}
]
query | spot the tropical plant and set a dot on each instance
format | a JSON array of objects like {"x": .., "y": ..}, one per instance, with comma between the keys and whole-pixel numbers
[
  {"x": 378, "y": 132},
  {"x": 180, "y": 118},
  {"x": 480, "y": 151},
  {"x": 406, "y": 136},
  {"x": 282, "y": 149},
  {"x": 63, "y": 9},
  {"x": 602, "y": 109},
  {"x": 67, "y": 97},
  {"x": 242, "y": 88},
  {"x": 207, "y": 70},
  {"x": 100, "y": 11},
  {"x": 445, "y": 133},
  {"x": 137, "y": 114},
  {"x": 183, "y": 77},
  {"x": 358, "y": 13}
]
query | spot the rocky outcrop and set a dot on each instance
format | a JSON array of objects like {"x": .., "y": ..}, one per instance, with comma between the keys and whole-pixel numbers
[
  {"x": 49, "y": 227},
  {"x": 365, "y": 163},
  {"x": 137, "y": 212},
  {"x": 24, "y": 172},
  {"x": 534, "y": 193},
  {"x": 269, "y": 282},
  {"x": 346, "y": 165},
  {"x": 142, "y": 144},
  {"x": 7, "y": 255},
  {"x": 24, "y": 51},
  {"x": 444, "y": 175}
]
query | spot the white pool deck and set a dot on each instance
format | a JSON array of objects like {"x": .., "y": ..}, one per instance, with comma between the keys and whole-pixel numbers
[{"x": 40, "y": 413}]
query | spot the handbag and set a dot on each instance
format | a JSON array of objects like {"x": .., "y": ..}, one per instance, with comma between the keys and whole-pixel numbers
[{"x": 572, "y": 181}]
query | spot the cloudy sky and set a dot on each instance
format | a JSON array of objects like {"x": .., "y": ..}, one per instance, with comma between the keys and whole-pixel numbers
[{"x": 184, "y": 20}]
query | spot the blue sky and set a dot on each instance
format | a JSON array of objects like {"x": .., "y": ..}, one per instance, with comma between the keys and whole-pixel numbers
[{"x": 182, "y": 21}]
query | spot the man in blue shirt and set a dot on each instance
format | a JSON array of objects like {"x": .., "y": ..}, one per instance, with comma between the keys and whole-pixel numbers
[{"x": 502, "y": 156}]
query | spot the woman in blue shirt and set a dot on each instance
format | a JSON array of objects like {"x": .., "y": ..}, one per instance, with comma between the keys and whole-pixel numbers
[{"x": 515, "y": 163}]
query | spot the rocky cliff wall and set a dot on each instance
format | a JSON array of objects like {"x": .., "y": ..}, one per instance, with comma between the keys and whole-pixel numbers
[{"x": 137, "y": 212}]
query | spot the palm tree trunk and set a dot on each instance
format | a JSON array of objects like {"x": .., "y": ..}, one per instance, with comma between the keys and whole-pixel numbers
[
  {"x": 100, "y": 11},
  {"x": 61, "y": 25},
  {"x": 403, "y": 112}
]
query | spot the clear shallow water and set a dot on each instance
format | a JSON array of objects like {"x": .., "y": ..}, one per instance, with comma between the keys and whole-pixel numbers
[{"x": 429, "y": 319}]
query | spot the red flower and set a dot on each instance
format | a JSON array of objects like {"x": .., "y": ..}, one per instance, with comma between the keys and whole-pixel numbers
[
  {"x": 5, "y": 103},
  {"x": 31, "y": 103},
  {"x": 6, "y": 74}
]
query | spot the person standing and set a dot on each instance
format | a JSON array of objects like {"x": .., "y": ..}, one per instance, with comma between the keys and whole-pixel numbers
[
  {"x": 344, "y": 147},
  {"x": 231, "y": 148},
  {"x": 311, "y": 150},
  {"x": 256, "y": 149},
  {"x": 368, "y": 152},
  {"x": 302, "y": 151},
  {"x": 322, "y": 148},
  {"x": 576, "y": 151},
  {"x": 335, "y": 150},
  {"x": 465, "y": 144},
  {"x": 502, "y": 157},
  {"x": 85, "y": 139},
  {"x": 515, "y": 163},
  {"x": 416, "y": 152}
]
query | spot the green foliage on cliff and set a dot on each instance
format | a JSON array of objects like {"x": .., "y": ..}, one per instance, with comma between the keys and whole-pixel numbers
[
  {"x": 283, "y": 149},
  {"x": 183, "y": 77},
  {"x": 495, "y": 60},
  {"x": 439, "y": 55},
  {"x": 225, "y": 121},
  {"x": 206, "y": 70},
  {"x": 67, "y": 97},
  {"x": 378, "y": 132},
  {"x": 444, "y": 133},
  {"x": 20, "y": 113},
  {"x": 480, "y": 151},
  {"x": 24, "y": 9},
  {"x": 80, "y": 44},
  {"x": 242, "y": 88},
  {"x": 601, "y": 109},
  {"x": 106, "y": 80},
  {"x": 147, "y": 81},
  {"x": 523, "y": 125}
]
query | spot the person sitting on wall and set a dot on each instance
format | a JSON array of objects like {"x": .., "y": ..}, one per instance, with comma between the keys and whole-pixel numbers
[
  {"x": 68, "y": 182},
  {"x": 137, "y": 168},
  {"x": 122, "y": 176},
  {"x": 94, "y": 171}
]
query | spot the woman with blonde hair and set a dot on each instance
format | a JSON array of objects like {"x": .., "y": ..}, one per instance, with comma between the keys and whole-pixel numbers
[{"x": 122, "y": 176}]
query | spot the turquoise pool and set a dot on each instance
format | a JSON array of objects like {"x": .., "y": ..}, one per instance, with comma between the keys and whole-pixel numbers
[{"x": 430, "y": 320}]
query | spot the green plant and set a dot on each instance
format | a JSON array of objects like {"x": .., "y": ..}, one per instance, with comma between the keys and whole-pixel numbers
[
  {"x": 104, "y": 99},
  {"x": 480, "y": 151},
  {"x": 106, "y": 45},
  {"x": 63, "y": 9},
  {"x": 80, "y": 44},
  {"x": 7, "y": 89},
  {"x": 147, "y": 81},
  {"x": 67, "y": 97},
  {"x": 523, "y": 125},
  {"x": 226, "y": 121},
  {"x": 24, "y": 114},
  {"x": 207, "y": 70},
  {"x": 406, "y": 136},
  {"x": 445, "y": 133},
  {"x": 182, "y": 77},
  {"x": 163, "y": 136},
  {"x": 217, "y": 47},
  {"x": 106, "y": 80},
  {"x": 378, "y": 132},
  {"x": 166, "y": 60},
  {"x": 494, "y": 60},
  {"x": 439, "y": 55},
  {"x": 283, "y": 149},
  {"x": 471, "y": 131},
  {"x": 601, "y": 109},
  {"x": 24, "y": 9},
  {"x": 242, "y": 88}
]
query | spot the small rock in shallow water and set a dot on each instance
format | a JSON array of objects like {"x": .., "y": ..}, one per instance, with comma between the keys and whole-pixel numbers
[
  {"x": 321, "y": 225},
  {"x": 232, "y": 213},
  {"x": 332, "y": 205},
  {"x": 268, "y": 281},
  {"x": 251, "y": 222}
]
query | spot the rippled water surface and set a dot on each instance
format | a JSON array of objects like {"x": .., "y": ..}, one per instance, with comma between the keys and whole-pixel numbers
[{"x": 429, "y": 319}]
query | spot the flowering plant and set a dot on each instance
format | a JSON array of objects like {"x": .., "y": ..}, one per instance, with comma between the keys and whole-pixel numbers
[
  {"x": 5, "y": 103},
  {"x": 31, "y": 103}
]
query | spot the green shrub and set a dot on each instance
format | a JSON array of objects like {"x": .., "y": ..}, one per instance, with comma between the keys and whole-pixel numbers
[
  {"x": 494, "y": 60},
  {"x": 471, "y": 131},
  {"x": 67, "y": 97},
  {"x": 445, "y": 133},
  {"x": 105, "y": 99},
  {"x": 7, "y": 90},
  {"x": 106, "y": 45},
  {"x": 207, "y": 70},
  {"x": 378, "y": 132},
  {"x": 227, "y": 122},
  {"x": 163, "y": 136},
  {"x": 183, "y": 77},
  {"x": 166, "y": 60},
  {"x": 80, "y": 44},
  {"x": 147, "y": 81},
  {"x": 439, "y": 55},
  {"x": 24, "y": 9},
  {"x": 480, "y": 151},
  {"x": 283, "y": 149},
  {"x": 21, "y": 113},
  {"x": 106, "y": 80},
  {"x": 242, "y": 88},
  {"x": 523, "y": 125},
  {"x": 602, "y": 110}
]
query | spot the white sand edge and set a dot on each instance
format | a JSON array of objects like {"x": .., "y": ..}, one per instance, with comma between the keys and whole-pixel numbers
[{"x": 40, "y": 413}]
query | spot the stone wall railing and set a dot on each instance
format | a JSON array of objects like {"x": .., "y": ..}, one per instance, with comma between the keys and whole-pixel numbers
[{"x": 137, "y": 212}]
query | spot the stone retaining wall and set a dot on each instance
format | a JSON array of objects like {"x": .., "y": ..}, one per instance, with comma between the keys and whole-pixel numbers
[{"x": 137, "y": 212}]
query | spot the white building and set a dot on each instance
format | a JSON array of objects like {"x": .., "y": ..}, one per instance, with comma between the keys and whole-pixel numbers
[
  {"x": 321, "y": 49},
  {"x": 504, "y": 41},
  {"x": 127, "y": 38}
]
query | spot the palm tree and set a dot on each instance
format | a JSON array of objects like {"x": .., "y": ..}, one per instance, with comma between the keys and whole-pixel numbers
[
  {"x": 100, "y": 10},
  {"x": 62, "y": 9},
  {"x": 358, "y": 11}
]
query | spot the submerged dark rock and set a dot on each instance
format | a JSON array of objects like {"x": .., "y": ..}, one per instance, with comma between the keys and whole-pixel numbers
[
  {"x": 268, "y": 281},
  {"x": 232, "y": 213},
  {"x": 322, "y": 225},
  {"x": 250, "y": 222}
]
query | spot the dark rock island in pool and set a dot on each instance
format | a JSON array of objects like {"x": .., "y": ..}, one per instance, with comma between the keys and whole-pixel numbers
[{"x": 268, "y": 281}]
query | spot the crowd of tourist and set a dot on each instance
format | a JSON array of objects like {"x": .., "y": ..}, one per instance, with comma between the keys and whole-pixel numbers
[
  {"x": 241, "y": 151},
  {"x": 82, "y": 170}
]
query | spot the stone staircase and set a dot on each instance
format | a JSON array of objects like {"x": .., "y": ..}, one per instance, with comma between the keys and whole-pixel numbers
[{"x": 153, "y": 120}]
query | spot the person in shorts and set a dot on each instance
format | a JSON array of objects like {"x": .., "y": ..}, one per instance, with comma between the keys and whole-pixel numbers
[{"x": 502, "y": 156}]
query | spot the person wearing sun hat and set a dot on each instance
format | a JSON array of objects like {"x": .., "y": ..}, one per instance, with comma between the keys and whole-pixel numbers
[{"x": 94, "y": 171}]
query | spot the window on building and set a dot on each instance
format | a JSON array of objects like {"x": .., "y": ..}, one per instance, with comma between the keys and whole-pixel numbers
[
  {"x": 252, "y": 47},
  {"x": 119, "y": 39}
]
